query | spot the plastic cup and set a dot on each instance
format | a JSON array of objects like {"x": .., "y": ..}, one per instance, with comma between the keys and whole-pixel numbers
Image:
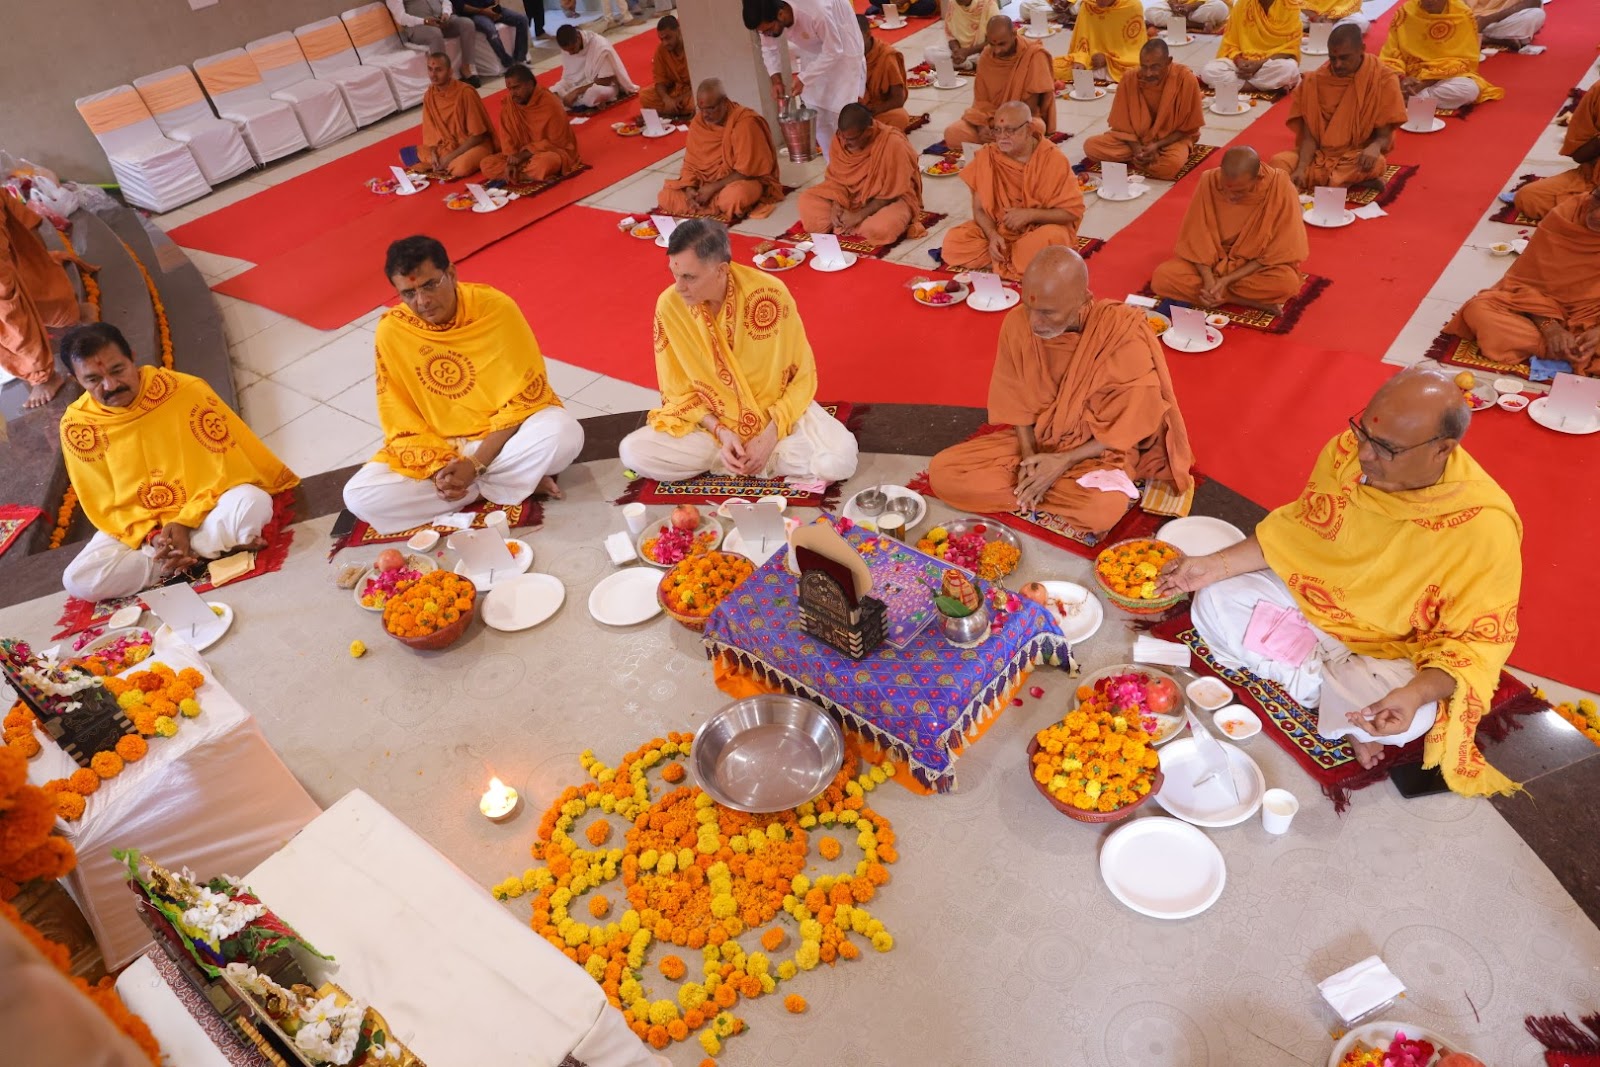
[
  {"x": 497, "y": 521},
  {"x": 636, "y": 518},
  {"x": 891, "y": 524},
  {"x": 1278, "y": 807}
]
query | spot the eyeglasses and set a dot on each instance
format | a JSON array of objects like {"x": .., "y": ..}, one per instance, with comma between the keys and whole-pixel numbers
[
  {"x": 1384, "y": 449},
  {"x": 1007, "y": 131},
  {"x": 409, "y": 295}
]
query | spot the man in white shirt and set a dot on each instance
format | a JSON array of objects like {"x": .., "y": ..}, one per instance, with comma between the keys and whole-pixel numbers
[
  {"x": 825, "y": 43},
  {"x": 592, "y": 74},
  {"x": 428, "y": 23}
]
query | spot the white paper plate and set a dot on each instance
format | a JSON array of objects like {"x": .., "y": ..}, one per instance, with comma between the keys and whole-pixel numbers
[
  {"x": 1347, "y": 219},
  {"x": 1009, "y": 298},
  {"x": 827, "y": 267},
  {"x": 208, "y": 635},
  {"x": 1240, "y": 108},
  {"x": 1098, "y": 94},
  {"x": 1200, "y": 535},
  {"x": 1435, "y": 127},
  {"x": 1163, "y": 868},
  {"x": 626, "y": 597},
  {"x": 654, "y": 529},
  {"x": 519, "y": 563},
  {"x": 524, "y": 601},
  {"x": 417, "y": 185},
  {"x": 1084, "y": 625},
  {"x": 855, "y": 515},
  {"x": 1213, "y": 339},
  {"x": 1136, "y": 189},
  {"x": 1211, "y": 804},
  {"x": 1371, "y": 1034},
  {"x": 1536, "y": 411},
  {"x": 762, "y": 260}
]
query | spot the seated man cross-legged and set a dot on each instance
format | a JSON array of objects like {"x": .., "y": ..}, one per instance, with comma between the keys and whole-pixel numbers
[
  {"x": 1343, "y": 115},
  {"x": 671, "y": 95},
  {"x": 592, "y": 74},
  {"x": 872, "y": 187},
  {"x": 1242, "y": 239},
  {"x": 1010, "y": 68},
  {"x": 1084, "y": 386},
  {"x": 466, "y": 409},
  {"x": 1105, "y": 41},
  {"x": 738, "y": 380},
  {"x": 1155, "y": 117},
  {"x": 1434, "y": 46},
  {"x": 886, "y": 91},
  {"x": 729, "y": 167},
  {"x": 1581, "y": 145},
  {"x": 456, "y": 132},
  {"x": 1396, "y": 576},
  {"x": 165, "y": 471},
  {"x": 1260, "y": 48},
  {"x": 536, "y": 139}
]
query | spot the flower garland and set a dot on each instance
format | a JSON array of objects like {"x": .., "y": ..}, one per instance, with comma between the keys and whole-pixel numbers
[
  {"x": 1584, "y": 716},
  {"x": 697, "y": 875},
  {"x": 69, "y": 504},
  {"x": 91, "y": 288},
  {"x": 28, "y": 849}
]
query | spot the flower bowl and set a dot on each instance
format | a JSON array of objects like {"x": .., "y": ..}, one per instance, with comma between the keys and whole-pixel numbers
[
  {"x": 723, "y": 561},
  {"x": 1080, "y": 814},
  {"x": 441, "y": 638},
  {"x": 1134, "y": 605},
  {"x": 402, "y": 605}
]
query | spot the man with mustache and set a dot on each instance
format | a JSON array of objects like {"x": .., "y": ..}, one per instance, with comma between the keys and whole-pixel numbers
[
  {"x": 165, "y": 471},
  {"x": 1009, "y": 68},
  {"x": 1084, "y": 388},
  {"x": 1155, "y": 117}
]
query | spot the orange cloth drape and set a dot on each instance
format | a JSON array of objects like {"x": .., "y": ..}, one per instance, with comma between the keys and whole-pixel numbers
[
  {"x": 886, "y": 71},
  {"x": 1340, "y": 116},
  {"x": 1115, "y": 31},
  {"x": 742, "y": 144},
  {"x": 886, "y": 169},
  {"x": 112, "y": 113},
  {"x": 539, "y": 126},
  {"x": 1001, "y": 79},
  {"x": 1175, "y": 105},
  {"x": 673, "y": 91},
  {"x": 1267, "y": 224},
  {"x": 451, "y": 114},
  {"x": 1046, "y": 180}
]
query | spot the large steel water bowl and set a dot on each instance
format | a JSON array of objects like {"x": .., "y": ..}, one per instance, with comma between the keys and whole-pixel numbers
[{"x": 767, "y": 753}]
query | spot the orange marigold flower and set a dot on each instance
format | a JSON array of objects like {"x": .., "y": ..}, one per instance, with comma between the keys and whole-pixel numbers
[
  {"x": 677, "y": 1029},
  {"x": 83, "y": 781},
  {"x": 830, "y": 848},
  {"x": 132, "y": 748},
  {"x": 794, "y": 1003},
  {"x": 599, "y": 907},
  {"x": 773, "y": 938},
  {"x": 106, "y": 764},
  {"x": 658, "y": 1037},
  {"x": 673, "y": 968},
  {"x": 725, "y": 995},
  {"x": 599, "y": 833},
  {"x": 69, "y": 805},
  {"x": 673, "y": 773}
]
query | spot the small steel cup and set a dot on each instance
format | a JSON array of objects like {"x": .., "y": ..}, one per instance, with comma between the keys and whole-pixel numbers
[
  {"x": 892, "y": 524},
  {"x": 969, "y": 630},
  {"x": 871, "y": 502}
]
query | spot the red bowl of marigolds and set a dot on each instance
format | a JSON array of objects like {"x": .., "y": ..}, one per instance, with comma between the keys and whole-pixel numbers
[
  {"x": 1094, "y": 765},
  {"x": 431, "y": 612}
]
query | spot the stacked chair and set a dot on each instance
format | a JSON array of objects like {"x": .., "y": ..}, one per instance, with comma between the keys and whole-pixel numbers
[
  {"x": 378, "y": 44},
  {"x": 287, "y": 76},
  {"x": 333, "y": 59},
  {"x": 155, "y": 172},
  {"x": 180, "y": 109},
  {"x": 270, "y": 127}
]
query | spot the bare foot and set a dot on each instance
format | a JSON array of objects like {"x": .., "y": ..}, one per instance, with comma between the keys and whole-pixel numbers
[
  {"x": 45, "y": 391},
  {"x": 548, "y": 487},
  {"x": 254, "y": 546},
  {"x": 1368, "y": 753}
]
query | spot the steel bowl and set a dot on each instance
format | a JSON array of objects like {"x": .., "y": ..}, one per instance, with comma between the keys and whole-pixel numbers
[
  {"x": 870, "y": 502},
  {"x": 907, "y": 507},
  {"x": 767, "y": 753},
  {"x": 968, "y": 631}
]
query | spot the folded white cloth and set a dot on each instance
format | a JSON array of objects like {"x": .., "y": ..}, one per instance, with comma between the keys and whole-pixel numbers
[
  {"x": 1153, "y": 650},
  {"x": 1360, "y": 988},
  {"x": 619, "y": 546}
]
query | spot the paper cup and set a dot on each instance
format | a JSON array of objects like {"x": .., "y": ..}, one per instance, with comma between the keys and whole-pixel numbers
[
  {"x": 636, "y": 518},
  {"x": 497, "y": 521},
  {"x": 1278, "y": 807}
]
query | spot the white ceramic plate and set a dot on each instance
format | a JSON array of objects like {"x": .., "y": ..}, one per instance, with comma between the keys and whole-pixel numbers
[
  {"x": 1009, "y": 298},
  {"x": 1435, "y": 127},
  {"x": 953, "y": 85},
  {"x": 208, "y": 635},
  {"x": 641, "y": 237},
  {"x": 626, "y": 597},
  {"x": 1211, "y": 804},
  {"x": 1200, "y": 535},
  {"x": 1224, "y": 695},
  {"x": 930, "y": 172},
  {"x": 494, "y": 205},
  {"x": 110, "y": 637},
  {"x": 417, "y": 185},
  {"x": 1247, "y": 723},
  {"x": 1213, "y": 339},
  {"x": 1536, "y": 411},
  {"x": 654, "y": 530},
  {"x": 1091, "y": 614},
  {"x": 666, "y": 131},
  {"x": 1188, "y": 38},
  {"x": 661, "y": 240},
  {"x": 956, "y": 299},
  {"x": 1163, "y": 868},
  {"x": 519, "y": 563},
  {"x": 1135, "y": 191},
  {"x": 1239, "y": 108},
  {"x": 1374, "y": 1034},
  {"x": 826, "y": 267},
  {"x": 855, "y": 515},
  {"x": 422, "y": 565},
  {"x": 1099, "y": 93},
  {"x": 524, "y": 601},
  {"x": 1345, "y": 220},
  {"x": 125, "y": 617},
  {"x": 765, "y": 261}
]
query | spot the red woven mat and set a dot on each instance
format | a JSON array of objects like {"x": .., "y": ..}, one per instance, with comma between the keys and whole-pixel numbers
[
  {"x": 1332, "y": 763},
  {"x": 1256, "y": 319},
  {"x": 1197, "y": 155},
  {"x": 1395, "y": 177},
  {"x": 1567, "y": 1044},
  {"x": 852, "y": 242},
  {"x": 1460, "y": 352},
  {"x": 14, "y": 518},
  {"x": 1508, "y": 213},
  {"x": 528, "y": 513}
]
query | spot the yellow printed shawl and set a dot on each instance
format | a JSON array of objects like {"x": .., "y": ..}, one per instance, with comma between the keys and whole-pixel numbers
[
  {"x": 1117, "y": 33},
  {"x": 1434, "y": 47},
  {"x": 1429, "y": 575},
  {"x": 481, "y": 373},
  {"x": 1332, "y": 9},
  {"x": 968, "y": 25},
  {"x": 1256, "y": 33},
  {"x": 166, "y": 457},
  {"x": 747, "y": 362}
]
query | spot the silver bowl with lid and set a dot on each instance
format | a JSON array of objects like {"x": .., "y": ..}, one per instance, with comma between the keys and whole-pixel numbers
[{"x": 767, "y": 753}]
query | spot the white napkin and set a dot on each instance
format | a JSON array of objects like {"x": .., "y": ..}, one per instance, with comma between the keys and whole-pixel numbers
[
  {"x": 1368, "y": 211},
  {"x": 455, "y": 520},
  {"x": 1153, "y": 650},
  {"x": 1360, "y": 988},
  {"x": 619, "y": 546}
]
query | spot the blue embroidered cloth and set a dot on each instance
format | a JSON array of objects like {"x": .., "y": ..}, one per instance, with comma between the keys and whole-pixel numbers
[{"x": 914, "y": 701}]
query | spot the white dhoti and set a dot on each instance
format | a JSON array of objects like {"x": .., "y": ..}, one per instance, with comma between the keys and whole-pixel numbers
[
  {"x": 1518, "y": 28},
  {"x": 1208, "y": 17},
  {"x": 1451, "y": 93},
  {"x": 108, "y": 568},
  {"x": 1331, "y": 678},
  {"x": 1274, "y": 74},
  {"x": 597, "y": 96},
  {"x": 1028, "y": 7},
  {"x": 818, "y": 446},
  {"x": 390, "y": 502}
]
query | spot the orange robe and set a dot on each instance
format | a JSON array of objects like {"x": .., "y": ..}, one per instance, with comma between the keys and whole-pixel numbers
[
  {"x": 1538, "y": 199},
  {"x": 1268, "y": 225},
  {"x": 1108, "y": 383},
  {"x": 1144, "y": 114},
  {"x": 1554, "y": 279},
  {"x": 886, "y": 169},
  {"x": 450, "y": 117},
  {"x": 540, "y": 127},
  {"x": 743, "y": 145},
  {"x": 886, "y": 71},
  {"x": 1340, "y": 115},
  {"x": 1001, "y": 183},
  {"x": 35, "y": 293},
  {"x": 1024, "y": 73},
  {"x": 673, "y": 92}
]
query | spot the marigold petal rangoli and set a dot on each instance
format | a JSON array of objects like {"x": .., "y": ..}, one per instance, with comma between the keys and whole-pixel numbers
[{"x": 695, "y": 875}]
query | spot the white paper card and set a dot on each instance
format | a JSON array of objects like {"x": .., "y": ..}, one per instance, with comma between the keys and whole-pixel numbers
[
  {"x": 1327, "y": 203},
  {"x": 652, "y": 120},
  {"x": 759, "y": 524},
  {"x": 1573, "y": 398},
  {"x": 181, "y": 608},
  {"x": 578, "y": 120},
  {"x": 1188, "y": 324},
  {"x": 1177, "y": 30},
  {"x": 1419, "y": 112},
  {"x": 1139, "y": 301},
  {"x": 1360, "y": 988},
  {"x": 1317, "y": 36},
  {"x": 1530, "y": 50},
  {"x": 1114, "y": 181},
  {"x": 825, "y": 246},
  {"x": 403, "y": 178},
  {"x": 1039, "y": 22},
  {"x": 986, "y": 289},
  {"x": 1227, "y": 98},
  {"x": 481, "y": 552},
  {"x": 481, "y": 196},
  {"x": 665, "y": 224},
  {"x": 1082, "y": 83}
]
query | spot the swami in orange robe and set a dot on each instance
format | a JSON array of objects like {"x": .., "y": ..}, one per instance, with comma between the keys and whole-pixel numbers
[
  {"x": 1094, "y": 397},
  {"x": 873, "y": 186},
  {"x": 1343, "y": 116},
  {"x": 1024, "y": 199},
  {"x": 1242, "y": 239},
  {"x": 886, "y": 80},
  {"x": 1010, "y": 68},
  {"x": 1582, "y": 146},
  {"x": 35, "y": 294},
  {"x": 1548, "y": 304},
  {"x": 536, "y": 138},
  {"x": 1106, "y": 39},
  {"x": 1155, "y": 117},
  {"x": 456, "y": 132},
  {"x": 672, "y": 95},
  {"x": 730, "y": 170}
]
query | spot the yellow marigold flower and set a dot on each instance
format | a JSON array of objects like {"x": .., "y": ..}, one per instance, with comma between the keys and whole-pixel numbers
[
  {"x": 848, "y": 816},
  {"x": 768, "y": 983},
  {"x": 358, "y": 649},
  {"x": 129, "y": 698},
  {"x": 801, "y": 885},
  {"x": 860, "y": 920},
  {"x": 811, "y": 930},
  {"x": 808, "y": 955},
  {"x": 648, "y": 859},
  {"x": 724, "y": 1024},
  {"x": 776, "y": 832},
  {"x": 709, "y": 1042},
  {"x": 757, "y": 964},
  {"x": 827, "y": 818},
  {"x": 738, "y": 843},
  {"x": 189, "y": 708},
  {"x": 882, "y": 941},
  {"x": 662, "y": 1012},
  {"x": 166, "y": 726},
  {"x": 707, "y": 846},
  {"x": 723, "y": 906},
  {"x": 787, "y": 970},
  {"x": 878, "y": 775},
  {"x": 596, "y": 967},
  {"x": 692, "y": 995},
  {"x": 667, "y": 863},
  {"x": 685, "y": 858},
  {"x": 730, "y": 951},
  {"x": 807, "y": 821}
]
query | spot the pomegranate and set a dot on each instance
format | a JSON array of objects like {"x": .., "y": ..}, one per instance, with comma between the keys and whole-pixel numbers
[
  {"x": 685, "y": 517},
  {"x": 1161, "y": 695},
  {"x": 1035, "y": 592},
  {"x": 390, "y": 560}
]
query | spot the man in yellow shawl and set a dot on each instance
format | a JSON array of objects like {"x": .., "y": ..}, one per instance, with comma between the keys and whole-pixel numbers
[
  {"x": 165, "y": 471},
  {"x": 1433, "y": 45},
  {"x": 1106, "y": 40},
  {"x": 466, "y": 409},
  {"x": 1338, "y": 12},
  {"x": 1260, "y": 47},
  {"x": 1394, "y": 578},
  {"x": 966, "y": 24},
  {"x": 738, "y": 380}
]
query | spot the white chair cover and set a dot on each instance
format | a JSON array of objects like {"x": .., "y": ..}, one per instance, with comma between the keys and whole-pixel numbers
[
  {"x": 318, "y": 105},
  {"x": 269, "y": 126},
  {"x": 155, "y": 173},
  {"x": 378, "y": 44},
  {"x": 180, "y": 109},
  {"x": 333, "y": 59}
]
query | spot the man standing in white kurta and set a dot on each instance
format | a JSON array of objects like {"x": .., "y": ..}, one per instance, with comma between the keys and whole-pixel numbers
[
  {"x": 825, "y": 43},
  {"x": 592, "y": 74}
]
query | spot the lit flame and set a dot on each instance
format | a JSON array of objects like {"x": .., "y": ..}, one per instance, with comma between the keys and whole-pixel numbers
[{"x": 498, "y": 793}]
